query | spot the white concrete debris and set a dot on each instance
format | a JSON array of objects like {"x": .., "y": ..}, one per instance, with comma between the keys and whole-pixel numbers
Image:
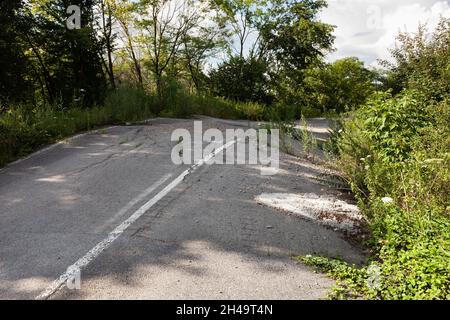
[
  {"x": 327, "y": 210},
  {"x": 387, "y": 200}
]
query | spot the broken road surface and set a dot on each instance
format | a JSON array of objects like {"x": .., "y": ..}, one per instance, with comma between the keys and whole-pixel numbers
[{"x": 206, "y": 238}]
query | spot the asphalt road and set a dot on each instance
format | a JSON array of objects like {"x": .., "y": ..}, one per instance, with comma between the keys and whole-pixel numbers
[{"x": 206, "y": 238}]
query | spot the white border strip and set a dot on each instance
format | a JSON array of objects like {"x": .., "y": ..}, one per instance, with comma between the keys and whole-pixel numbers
[{"x": 113, "y": 235}]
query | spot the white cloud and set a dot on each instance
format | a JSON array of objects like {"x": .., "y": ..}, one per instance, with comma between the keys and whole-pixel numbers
[{"x": 367, "y": 28}]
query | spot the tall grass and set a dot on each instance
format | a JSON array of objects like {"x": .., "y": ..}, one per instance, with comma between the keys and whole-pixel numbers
[{"x": 23, "y": 129}]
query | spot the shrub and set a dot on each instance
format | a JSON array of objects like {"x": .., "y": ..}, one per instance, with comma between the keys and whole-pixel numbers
[
  {"x": 397, "y": 147},
  {"x": 130, "y": 104}
]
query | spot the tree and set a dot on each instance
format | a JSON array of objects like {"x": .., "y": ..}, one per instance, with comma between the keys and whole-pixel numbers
[
  {"x": 289, "y": 39},
  {"x": 107, "y": 36},
  {"x": 67, "y": 61},
  {"x": 198, "y": 48},
  {"x": 294, "y": 35},
  {"x": 124, "y": 14},
  {"x": 14, "y": 65},
  {"x": 164, "y": 31},
  {"x": 294, "y": 41},
  {"x": 422, "y": 62},
  {"x": 341, "y": 86},
  {"x": 242, "y": 79},
  {"x": 242, "y": 17}
]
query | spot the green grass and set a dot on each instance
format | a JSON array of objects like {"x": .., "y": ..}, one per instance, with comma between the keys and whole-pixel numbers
[
  {"x": 23, "y": 129},
  {"x": 351, "y": 280}
]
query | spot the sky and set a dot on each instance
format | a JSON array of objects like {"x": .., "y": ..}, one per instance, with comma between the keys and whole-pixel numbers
[{"x": 367, "y": 28}]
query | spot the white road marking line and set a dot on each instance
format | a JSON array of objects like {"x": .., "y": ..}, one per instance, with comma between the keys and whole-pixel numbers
[
  {"x": 133, "y": 202},
  {"x": 113, "y": 235}
]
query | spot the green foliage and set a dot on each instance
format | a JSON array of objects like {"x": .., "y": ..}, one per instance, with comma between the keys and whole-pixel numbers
[
  {"x": 227, "y": 109},
  {"x": 393, "y": 123},
  {"x": 352, "y": 281},
  {"x": 129, "y": 104},
  {"x": 25, "y": 128},
  {"x": 413, "y": 264},
  {"x": 294, "y": 40},
  {"x": 307, "y": 138},
  {"x": 242, "y": 79},
  {"x": 414, "y": 248},
  {"x": 397, "y": 147},
  {"x": 422, "y": 62},
  {"x": 340, "y": 86},
  {"x": 197, "y": 49},
  {"x": 67, "y": 63},
  {"x": 280, "y": 111},
  {"x": 45, "y": 63},
  {"x": 13, "y": 63},
  {"x": 294, "y": 35},
  {"x": 394, "y": 151}
]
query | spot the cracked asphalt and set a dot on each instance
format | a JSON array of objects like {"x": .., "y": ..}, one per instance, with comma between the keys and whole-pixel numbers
[{"x": 206, "y": 239}]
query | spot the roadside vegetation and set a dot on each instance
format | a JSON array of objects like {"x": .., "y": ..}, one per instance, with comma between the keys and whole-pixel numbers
[
  {"x": 24, "y": 128},
  {"x": 394, "y": 152},
  {"x": 250, "y": 59}
]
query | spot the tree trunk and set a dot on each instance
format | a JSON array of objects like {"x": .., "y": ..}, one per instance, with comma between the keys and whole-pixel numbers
[
  {"x": 47, "y": 77},
  {"x": 137, "y": 66},
  {"x": 107, "y": 31},
  {"x": 159, "y": 91}
]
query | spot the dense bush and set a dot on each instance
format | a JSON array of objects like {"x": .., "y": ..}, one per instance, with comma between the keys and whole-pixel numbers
[
  {"x": 130, "y": 104},
  {"x": 340, "y": 86},
  {"x": 421, "y": 61},
  {"x": 394, "y": 151},
  {"x": 398, "y": 148},
  {"x": 242, "y": 79}
]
